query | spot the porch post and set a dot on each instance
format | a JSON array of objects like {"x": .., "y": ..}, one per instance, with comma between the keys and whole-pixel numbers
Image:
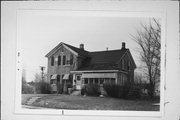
[
  {"x": 74, "y": 78},
  {"x": 116, "y": 78}
]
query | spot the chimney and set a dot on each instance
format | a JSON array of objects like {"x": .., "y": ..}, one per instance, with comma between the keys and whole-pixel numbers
[
  {"x": 82, "y": 46},
  {"x": 107, "y": 49},
  {"x": 123, "y": 45}
]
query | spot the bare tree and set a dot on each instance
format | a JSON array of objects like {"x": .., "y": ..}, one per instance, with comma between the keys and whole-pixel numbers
[{"x": 148, "y": 39}]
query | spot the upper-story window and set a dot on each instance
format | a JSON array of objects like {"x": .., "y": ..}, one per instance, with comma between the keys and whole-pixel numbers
[
  {"x": 122, "y": 63},
  {"x": 71, "y": 59},
  {"x": 59, "y": 60},
  {"x": 128, "y": 66},
  {"x": 52, "y": 61},
  {"x": 62, "y": 50},
  {"x": 64, "y": 60}
]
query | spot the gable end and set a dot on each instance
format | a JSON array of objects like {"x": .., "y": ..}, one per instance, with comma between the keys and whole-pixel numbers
[{"x": 54, "y": 50}]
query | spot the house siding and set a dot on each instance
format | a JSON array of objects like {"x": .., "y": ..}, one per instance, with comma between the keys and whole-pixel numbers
[
  {"x": 124, "y": 67},
  {"x": 61, "y": 69},
  {"x": 127, "y": 70}
]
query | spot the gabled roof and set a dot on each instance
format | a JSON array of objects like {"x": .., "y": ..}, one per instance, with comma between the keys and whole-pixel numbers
[
  {"x": 99, "y": 60},
  {"x": 110, "y": 56},
  {"x": 75, "y": 49},
  {"x": 99, "y": 66},
  {"x": 106, "y": 60},
  {"x": 78, "y": 50}
]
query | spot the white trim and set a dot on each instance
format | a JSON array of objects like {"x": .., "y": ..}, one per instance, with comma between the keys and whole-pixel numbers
[
  {"x": 89, "y": 71},
  {"x": 70, "y": 50},
  {"x": 54, "y": 50},
  {"x": 133, "y": 63},
  {"x": 131, "y": 60},
  {"x": 99, "y": 75},
  {"x": 99, "y": 71}
]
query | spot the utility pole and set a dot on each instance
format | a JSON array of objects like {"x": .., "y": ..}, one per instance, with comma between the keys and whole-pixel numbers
[{"x": 42, "y": 69}]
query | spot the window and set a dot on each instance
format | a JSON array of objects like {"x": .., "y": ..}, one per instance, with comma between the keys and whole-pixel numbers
[
  {"x": 107, "y": 80},
  {"x": 58, "y": 78},
  {"x": 96, "y": 80},
  {"x": 86, "y": 81},
  {"x": 128, "y": 65},
  {"x": 91, "y": 81},
  {"x": 101, "y": 80},
  {"x": 122, "y": 64},
  {"x": 59, "y": 60},
  {"x": 68, "y": 62},
  {"x": 52, "y": 61},
  {"x": 51, "y": 82},
  {"x": 71, "y": 59},
  {"x": 64, "y": 60},
  {"x": 62, "y": 50},
  {"x": 113, "y": 81},
  {"x": 78, "y": 77}
]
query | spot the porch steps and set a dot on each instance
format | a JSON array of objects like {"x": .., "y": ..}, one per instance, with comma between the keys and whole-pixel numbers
[
  {"x": 32, "y": 100},
  {"x": 76, "y": 93}
]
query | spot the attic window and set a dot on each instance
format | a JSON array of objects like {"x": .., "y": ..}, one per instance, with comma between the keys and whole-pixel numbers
[
  {"x": 68, "y": 62},
  {"x": 122, "y": 63},
  {"x": 128, "y": 66},
  {"x": 62, "y": 50}
]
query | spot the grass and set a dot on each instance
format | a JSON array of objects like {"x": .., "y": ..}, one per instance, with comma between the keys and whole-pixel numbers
[
  {"x": 26, "y": 97},
  {"x": 89, "y": 103}
]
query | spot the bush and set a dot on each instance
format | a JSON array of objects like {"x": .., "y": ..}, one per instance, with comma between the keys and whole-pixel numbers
[
  {"x": 26, "y": 89},
  {"x": 59, "y": 88},
  {"x": 117, "y": 91},
  {"x": 83, "y": 90},
  {"x": 135, "y": 93},
  {"x": 91, "y": 90},
  {"x": 43, "y": 88}
]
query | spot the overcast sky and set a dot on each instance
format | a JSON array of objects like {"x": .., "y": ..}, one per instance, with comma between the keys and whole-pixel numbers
[{"x": 41, "y": 33}]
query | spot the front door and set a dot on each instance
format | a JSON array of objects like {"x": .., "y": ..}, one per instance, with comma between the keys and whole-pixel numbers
[{"x": 78, "y": 82}]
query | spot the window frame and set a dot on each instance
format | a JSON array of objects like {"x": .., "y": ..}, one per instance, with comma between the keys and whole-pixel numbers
[
  {"x": 59, "y": 60},
  {"x": 52, "y": 60},
  {"x": 64, "y": 59}
]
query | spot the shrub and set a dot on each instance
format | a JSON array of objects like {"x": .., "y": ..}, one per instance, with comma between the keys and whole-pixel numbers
[
  {"x": 26, "y": 89},
  {"x": 83, "y": 90},
  {"x": 59, "y": 88},
  {"x": 43, "y": 88},
  {"x": 69, "y": 85},
  {"x": 135, "y": 93},
  {"x": 91, "y": 90},
  {"x": 126, "y": 89},
  {"x": 117, "y": 91}
]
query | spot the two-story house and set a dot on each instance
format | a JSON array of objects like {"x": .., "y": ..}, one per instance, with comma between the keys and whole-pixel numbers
[{"x": 76, "y": 66}]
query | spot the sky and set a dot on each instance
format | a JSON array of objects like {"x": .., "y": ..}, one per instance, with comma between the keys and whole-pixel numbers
[{"x": 39, "y": 34}]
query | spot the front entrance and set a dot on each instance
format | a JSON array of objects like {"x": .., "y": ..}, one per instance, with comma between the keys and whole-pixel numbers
[{"x": 78, "y": 82}]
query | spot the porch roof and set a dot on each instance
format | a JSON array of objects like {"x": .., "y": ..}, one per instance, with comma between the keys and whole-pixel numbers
[
  {"x": 66, "y": 77},
  {"x": 54, "y": 76}
]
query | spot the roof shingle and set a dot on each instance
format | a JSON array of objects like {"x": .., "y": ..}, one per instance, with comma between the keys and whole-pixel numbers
[{"x": 99, "y": 60}]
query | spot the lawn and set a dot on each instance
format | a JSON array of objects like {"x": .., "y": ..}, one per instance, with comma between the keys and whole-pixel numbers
[{"x": 89, "y": 103}]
